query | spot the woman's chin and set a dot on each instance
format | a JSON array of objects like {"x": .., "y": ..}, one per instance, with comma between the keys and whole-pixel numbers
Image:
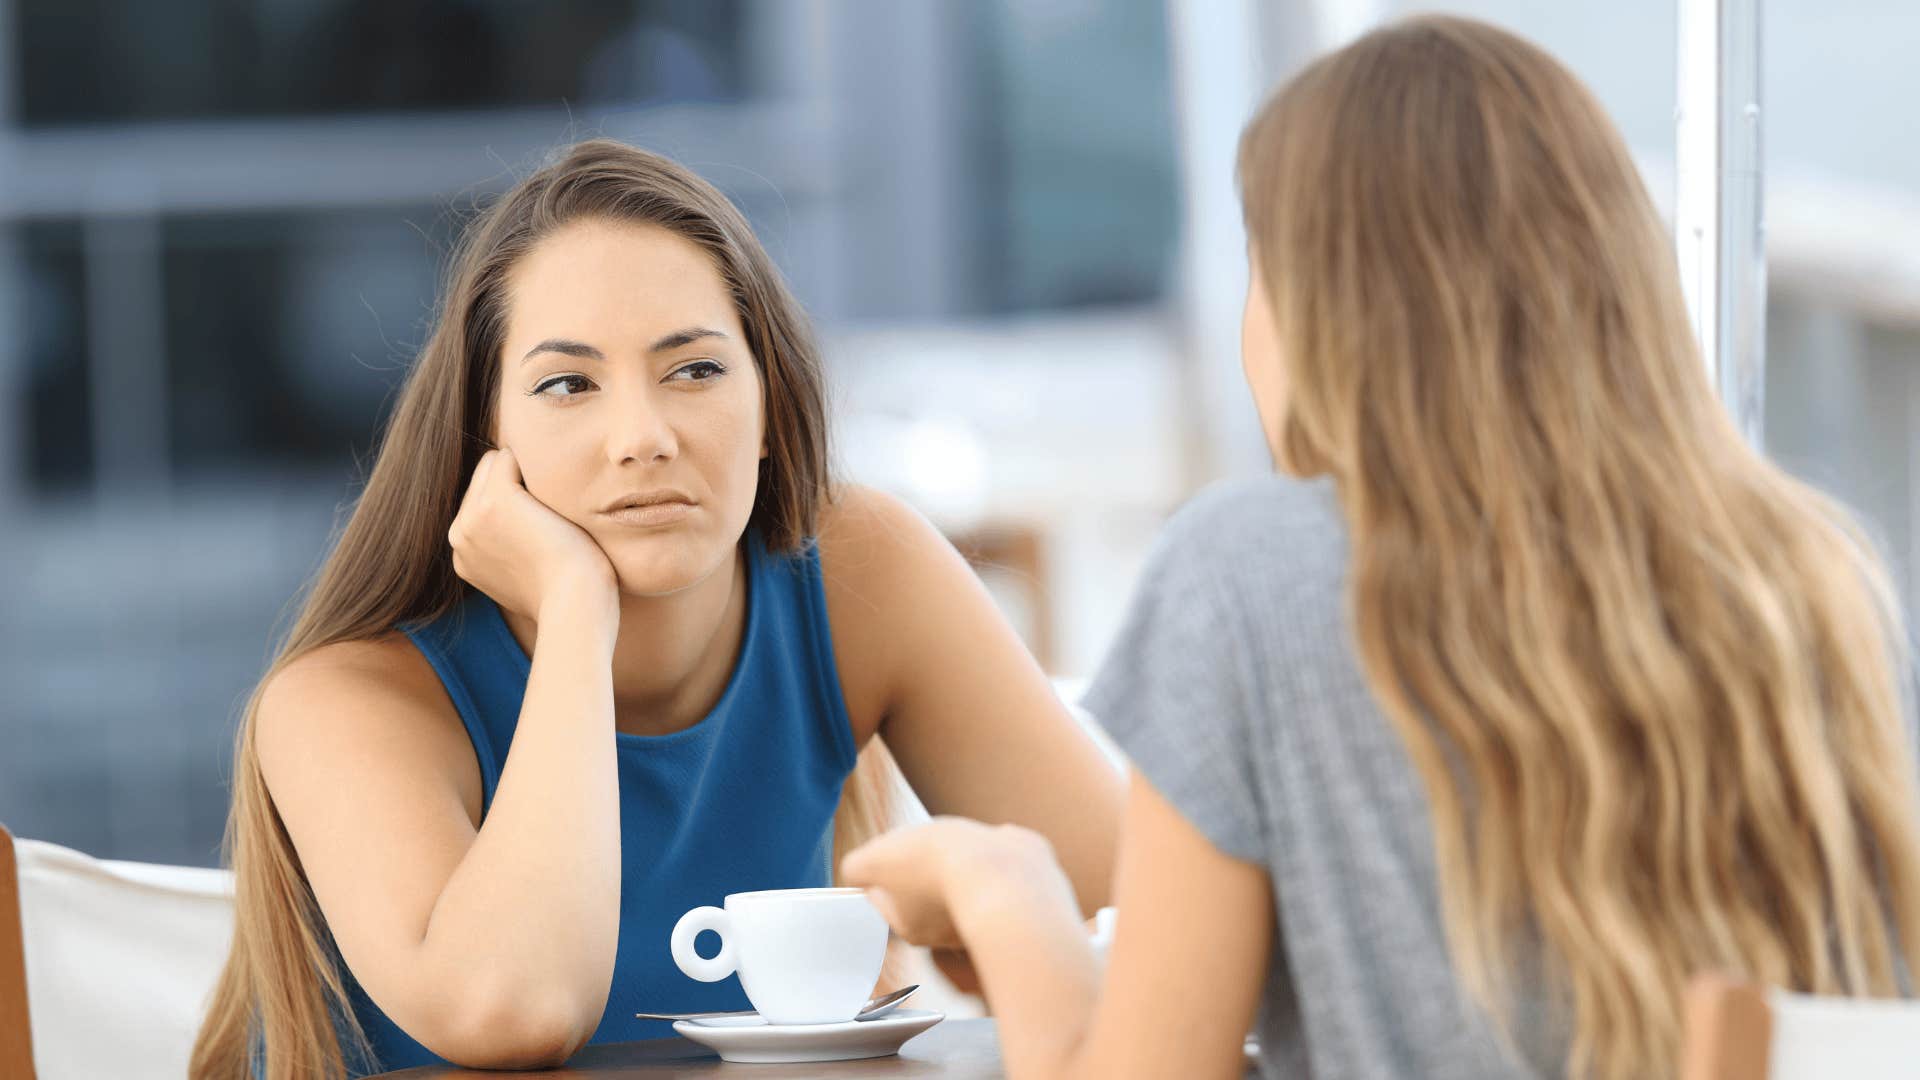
[
  {"x": 660, "y": 574},
  {"x": 651, "y": 583}
]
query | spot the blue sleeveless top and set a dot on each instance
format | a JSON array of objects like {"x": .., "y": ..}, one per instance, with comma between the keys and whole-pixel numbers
[{"x": 742, "y": 800}]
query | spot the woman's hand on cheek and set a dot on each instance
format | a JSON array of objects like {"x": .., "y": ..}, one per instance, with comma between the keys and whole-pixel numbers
[
  {"x": 520, "y": 552},
  {"x": 928, "y": 879}
]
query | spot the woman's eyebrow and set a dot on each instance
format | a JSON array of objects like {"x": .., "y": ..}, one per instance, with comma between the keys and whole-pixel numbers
[
  {"x": 684, "y": 337},
  {"x": 584, "y": 351},
  {"x": 569, "y": 348}
]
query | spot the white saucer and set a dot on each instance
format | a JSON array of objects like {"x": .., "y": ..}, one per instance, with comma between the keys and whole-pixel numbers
[{"x": 749, "y": 1038}]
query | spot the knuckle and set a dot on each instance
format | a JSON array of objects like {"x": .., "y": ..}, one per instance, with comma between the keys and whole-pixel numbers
[{"x": 1025, "y": 843}]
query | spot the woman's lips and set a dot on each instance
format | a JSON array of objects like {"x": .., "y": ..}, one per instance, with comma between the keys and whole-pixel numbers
[{"x": 652, "y": 515}]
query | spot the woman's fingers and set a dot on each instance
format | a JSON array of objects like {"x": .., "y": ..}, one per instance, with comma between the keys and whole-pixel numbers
[
  {"x": 907, "y": 856},
  {"x": 517, "y": 549},
  {"x": 882, "y": 902},
  {"x": 909, "y": 873},
  {"x": 508, "y": 467},
  {"x": 480, "y": 470}
]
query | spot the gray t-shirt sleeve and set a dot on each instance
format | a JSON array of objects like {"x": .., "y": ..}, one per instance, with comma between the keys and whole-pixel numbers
[{"x": 1175, "y": 689}]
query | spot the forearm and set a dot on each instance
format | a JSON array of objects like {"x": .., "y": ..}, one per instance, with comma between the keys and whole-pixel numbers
[
  {"x": 1037, "y": 968},
  {"x": 1045, "y": 777},
  {"x": 1087, "y": 843},
  {"x": 534, "y": 905}
]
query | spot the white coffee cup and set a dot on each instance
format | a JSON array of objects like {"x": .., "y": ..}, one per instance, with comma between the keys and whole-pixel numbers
[{"x": 804, "y": 956}]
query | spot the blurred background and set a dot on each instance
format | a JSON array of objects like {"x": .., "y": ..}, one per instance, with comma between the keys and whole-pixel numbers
[{"x": 222, "y": 221}]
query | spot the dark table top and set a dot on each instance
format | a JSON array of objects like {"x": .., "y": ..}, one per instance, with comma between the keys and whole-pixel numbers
[{"x": 950, "y": 1050}]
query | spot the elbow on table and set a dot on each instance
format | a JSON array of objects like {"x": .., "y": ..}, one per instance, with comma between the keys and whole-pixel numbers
[{"x": 517, "y": 1027}]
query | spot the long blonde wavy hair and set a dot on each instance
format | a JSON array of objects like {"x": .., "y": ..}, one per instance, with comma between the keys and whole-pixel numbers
[
  {"x": 1652, "y": 685},
  {"x": 281, "y": 994}
]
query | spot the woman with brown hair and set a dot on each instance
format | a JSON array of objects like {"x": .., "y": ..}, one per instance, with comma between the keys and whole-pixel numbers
[
  {"x": 1459, "y": 760},
  {"x": 600, "y": 644}
]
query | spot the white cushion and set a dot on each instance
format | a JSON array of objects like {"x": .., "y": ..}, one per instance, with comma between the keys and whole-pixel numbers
[
  {"x": 1819, "y": 1037},
  {"x": 121, "y": 958}
]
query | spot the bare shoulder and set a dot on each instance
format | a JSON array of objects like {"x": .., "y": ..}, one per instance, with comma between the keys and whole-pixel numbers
[
  {"x": 872, "y": 542},
  {"x": 881, "y": 562},
  {"x": 352, "y": 705},
  {"x": 861, "y": 517},
  {"x": 386, "y": 668}
]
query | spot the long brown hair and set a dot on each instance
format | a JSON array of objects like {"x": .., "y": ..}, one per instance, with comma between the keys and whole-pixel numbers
[
  {"x": 1651, "y": 684},
  {"x": 281, "y": 991}
]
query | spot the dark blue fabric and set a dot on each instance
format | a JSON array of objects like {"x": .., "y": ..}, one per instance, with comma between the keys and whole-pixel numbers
[{"x": 742, "y": 800}]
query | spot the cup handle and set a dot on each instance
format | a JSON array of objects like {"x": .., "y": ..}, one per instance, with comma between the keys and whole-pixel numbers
[{"x": 690, "y": 926}]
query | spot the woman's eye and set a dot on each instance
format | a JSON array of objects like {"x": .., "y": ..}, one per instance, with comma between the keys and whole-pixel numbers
[
  {"x": 572, "y": 384},
  {"x": 699, "y": 371}
]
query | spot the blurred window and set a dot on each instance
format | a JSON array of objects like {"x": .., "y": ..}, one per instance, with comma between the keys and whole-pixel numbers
[
  {"x": 282, "y": 335},
  {"x": 59, "y": 443},
  {"x": 112, "y": 61},
  {"x": 1081, "y": 172}
]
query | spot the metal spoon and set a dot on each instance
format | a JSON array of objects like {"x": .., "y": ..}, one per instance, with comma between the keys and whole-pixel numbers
[
  {"x": 886, "y": 1003},
  {"x": 872, "y": 1010}
]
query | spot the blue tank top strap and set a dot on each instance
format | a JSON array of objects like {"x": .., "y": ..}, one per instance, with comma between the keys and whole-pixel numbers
[{"x": 742, "y": 800}]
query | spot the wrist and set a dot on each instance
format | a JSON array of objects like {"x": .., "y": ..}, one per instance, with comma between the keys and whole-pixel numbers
[
  {"x": 582, "y": 600},
  {"x": 1015, "y": 878}
]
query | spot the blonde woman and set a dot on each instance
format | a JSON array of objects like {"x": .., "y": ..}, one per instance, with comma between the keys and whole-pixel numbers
[
  {"x": 1550, "y": 691},
  {"x": 599, "y": 644}
]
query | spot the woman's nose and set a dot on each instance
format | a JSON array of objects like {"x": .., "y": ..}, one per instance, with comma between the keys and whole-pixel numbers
[{"x": 639, "y": 431}]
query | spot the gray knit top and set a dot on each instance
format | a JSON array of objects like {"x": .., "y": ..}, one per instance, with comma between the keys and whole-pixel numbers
[{"x": 1235, "y": 689}]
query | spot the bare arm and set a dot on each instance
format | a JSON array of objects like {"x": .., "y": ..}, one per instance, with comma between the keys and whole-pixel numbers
[
  {"x": 492, "y": 943},
  {"x": 491, "y": 946},
  {"x": 929, "y": 663},
  {"x": 1188, "y": 961}
]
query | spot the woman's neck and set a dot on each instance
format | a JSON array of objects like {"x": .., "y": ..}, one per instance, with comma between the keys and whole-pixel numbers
[{"x": 675, "y": 654}]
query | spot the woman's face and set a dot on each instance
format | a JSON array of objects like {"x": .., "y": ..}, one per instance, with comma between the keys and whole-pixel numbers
[
  {"x": 627, "y": 379},
  {"x": 1260, "y": 359}
]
